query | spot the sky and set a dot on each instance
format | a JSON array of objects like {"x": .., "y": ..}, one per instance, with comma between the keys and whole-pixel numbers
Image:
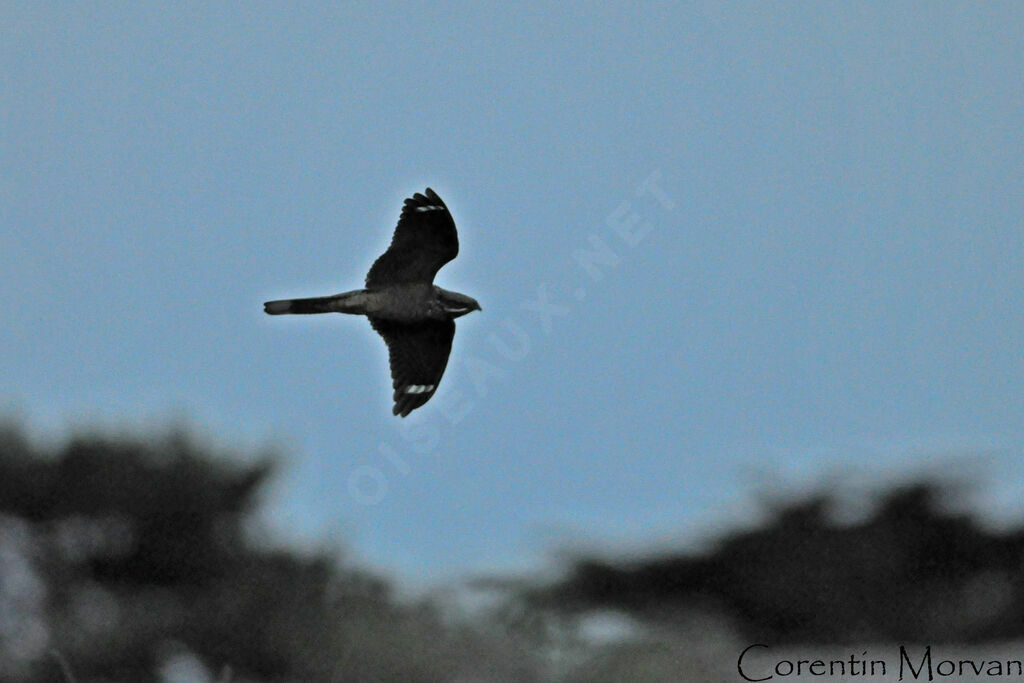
[{"x": 722, "y": 250}]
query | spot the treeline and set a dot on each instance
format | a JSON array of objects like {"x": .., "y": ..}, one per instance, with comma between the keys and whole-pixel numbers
[
  {"x": 127, "y": 559},
  {"x": 130, "y": 559},
  {"x": 911, "y": 570}
]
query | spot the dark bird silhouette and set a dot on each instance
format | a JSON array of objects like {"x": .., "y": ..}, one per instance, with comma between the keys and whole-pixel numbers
[{"x": 415, "y": 317}]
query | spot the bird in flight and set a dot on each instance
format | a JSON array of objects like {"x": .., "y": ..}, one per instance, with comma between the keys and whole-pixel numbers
[{"x": 415, "y": 317}]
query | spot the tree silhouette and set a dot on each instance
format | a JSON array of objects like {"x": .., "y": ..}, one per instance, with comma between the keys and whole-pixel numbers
[
  {"x": 127, "y": 559},
  {"x": 911, "y": 571},
  {"x": 121, "y": 557}
]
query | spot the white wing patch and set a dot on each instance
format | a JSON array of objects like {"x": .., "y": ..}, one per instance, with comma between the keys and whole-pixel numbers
[
  {"x": 431, "y": 207},
  {"x": 419, "y": 388}
]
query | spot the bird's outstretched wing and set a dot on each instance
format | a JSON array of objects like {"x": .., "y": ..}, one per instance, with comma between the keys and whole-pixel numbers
[
  {"x": 424, "y": 240},
  {"x": 419, "y": 355}
]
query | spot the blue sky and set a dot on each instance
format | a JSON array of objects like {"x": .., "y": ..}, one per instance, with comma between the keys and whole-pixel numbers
[{"x": 806, "y": 220}]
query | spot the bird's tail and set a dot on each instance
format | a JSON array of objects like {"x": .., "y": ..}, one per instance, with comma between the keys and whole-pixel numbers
[{"x": 348, "y": 302}]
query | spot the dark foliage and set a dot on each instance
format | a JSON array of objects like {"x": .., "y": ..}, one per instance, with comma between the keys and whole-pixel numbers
[
  {"x": 910, "y": 572},
  {"x": 121, "y": 557}
]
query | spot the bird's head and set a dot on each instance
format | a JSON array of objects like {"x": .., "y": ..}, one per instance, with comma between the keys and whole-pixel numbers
[{"x": 456, "y": 304}]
